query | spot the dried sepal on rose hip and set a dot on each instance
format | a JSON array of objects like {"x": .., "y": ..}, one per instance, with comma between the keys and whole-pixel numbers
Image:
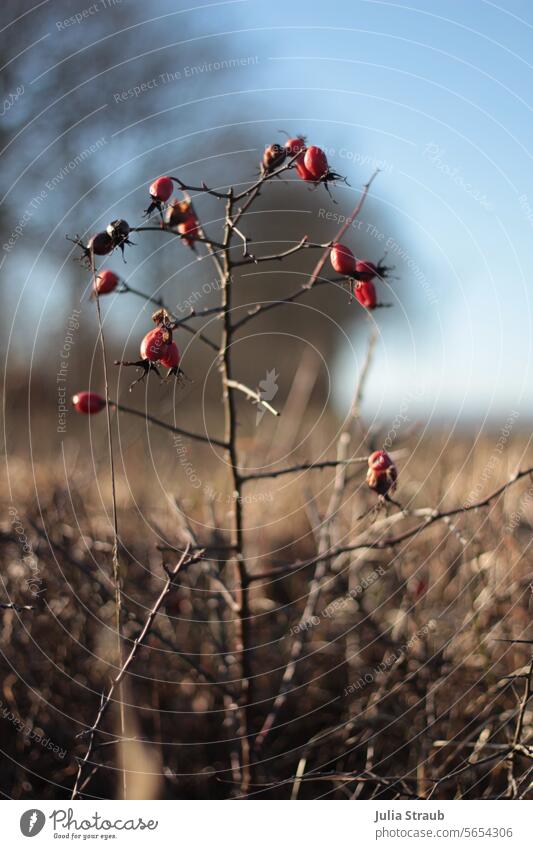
[
  {"x": 365, "y": 269},
  {"x": 160, "y": 191},
  {"x": 342, "y": 259},
  {"x": 88, "y": 403},
  {"x": 382, "y": 473}
]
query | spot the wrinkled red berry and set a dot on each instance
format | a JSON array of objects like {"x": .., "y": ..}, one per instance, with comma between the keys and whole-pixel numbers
[
  {"x": 188, "y": 229},
  {"x": 88, "y": 402},
  {"x": 161, "y": 189},
  {"x": 365, "y": 292},
  {"x": 365, "y": 269},
  {"x": 382, "y": 473},
  {"x": 342, "y": 259},
  {"x": 172, "y": 356},
  {"x": 106, "y": 281},
  {"x": 294, "y": 146},
  {"x": 303, "y": 173},
  {"x": 177, "y": 212},
  {"x": 316, "y": 162},
  {"x": 100, "y": 244},
  {"x": 273, "y": 157},
  {"x": 155, "y": 344}
]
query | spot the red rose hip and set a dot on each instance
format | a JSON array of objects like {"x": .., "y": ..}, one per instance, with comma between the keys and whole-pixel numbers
[
  {"x": 365, "y": 292},
  {"x": 303, "y": 173},
  {"x": 155, "y": 344},
  {"x": 365, "y": 270},
  {"x": 88, "y": 402},
  {"x": 382, "y": 473},
  {"x": 161, "y": 189},
  {"x": 295, "y": 146},
  {"x": 316, "y": 162},
  {"x": 106, "y": 281},
  {"x": 100, "y": 244},
  {"x": 172, "y": 357},
  {"x": 342, "y": 259}
]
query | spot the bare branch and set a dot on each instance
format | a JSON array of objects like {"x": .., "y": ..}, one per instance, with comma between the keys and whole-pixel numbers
[
  {"x": 303, "y": 244},
  {"x": 339, "y": 234},
  {"x": 252, "y": 395},
  {"x": 303, "y": 467},
  {"x": 172, "y": 428},
  {"x": 139, "y": 641},
  {"x": 262, "y": 308}
]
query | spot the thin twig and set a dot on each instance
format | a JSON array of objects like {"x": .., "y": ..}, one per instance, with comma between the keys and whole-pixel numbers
[
  {"x": 172, "y": 428},
  {"x": 517, "y": 737},
  {"x": 252, "y": 395},
  {"x": 262, "y": 308},
  {"x": 324, "y": 544},
  {"x": 237, "y": 536},
  {"x": 339, "y": 234},
  {"x": 303, "y": 244},
  {"x": 303, "y": 467},
  {"x": 139, "y": 641},
  {"x": 431, "y": 517}
]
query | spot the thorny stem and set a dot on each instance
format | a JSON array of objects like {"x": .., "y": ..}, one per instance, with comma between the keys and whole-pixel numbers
[
  {"x": 303, "y": 244},
  {"x": 116, "y": 566},
  {"x": 340, "y": 233},
  {"x": 304, "y": 467},
  {"x": 230, "y": 416},
  {"x": 221, "y": 256}
]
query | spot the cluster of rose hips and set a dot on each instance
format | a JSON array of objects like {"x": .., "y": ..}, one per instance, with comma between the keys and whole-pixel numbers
[
  {"x": 310, "y": 162},
  {"x": 179, "y": 215},
  {"x": 157, "y": 348},
  {"x": 361, "y": 273}
]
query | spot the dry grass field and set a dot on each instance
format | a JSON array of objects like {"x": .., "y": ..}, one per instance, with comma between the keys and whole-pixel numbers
[{"x": 403, "y": 684}]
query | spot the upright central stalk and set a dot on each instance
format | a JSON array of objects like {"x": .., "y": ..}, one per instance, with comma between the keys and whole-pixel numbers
[{"x": 230, "y": 437}]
